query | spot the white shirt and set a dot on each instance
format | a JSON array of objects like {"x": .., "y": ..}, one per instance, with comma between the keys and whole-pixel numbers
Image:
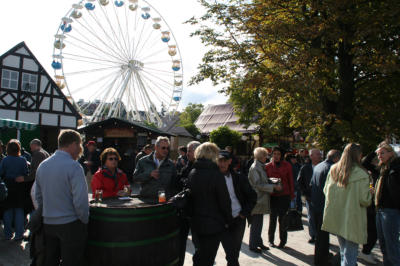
[
  {"x": 235, "y": 204},
  {"x": 156, "y": 161}
]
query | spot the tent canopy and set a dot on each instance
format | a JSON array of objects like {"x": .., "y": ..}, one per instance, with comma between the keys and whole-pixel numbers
[{"x": 9, "y": 123}]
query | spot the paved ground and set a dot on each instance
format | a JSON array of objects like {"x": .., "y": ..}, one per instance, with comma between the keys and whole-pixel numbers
[{"x": 297, "y": 251}]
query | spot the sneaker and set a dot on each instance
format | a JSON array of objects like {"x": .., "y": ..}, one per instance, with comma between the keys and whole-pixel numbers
[{"x": 367, "y": 258}]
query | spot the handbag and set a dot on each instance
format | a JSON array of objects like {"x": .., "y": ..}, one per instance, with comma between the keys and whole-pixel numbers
[
  {"x": 182, "y": 203},
  {"x": 3, "y": 191},
  {"x": 292, "y": 221}
]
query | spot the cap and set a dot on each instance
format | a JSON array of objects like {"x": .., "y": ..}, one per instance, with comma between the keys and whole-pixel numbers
[
  {"x": 92, "y": 142},
  {"x": 223, "y": 154}
]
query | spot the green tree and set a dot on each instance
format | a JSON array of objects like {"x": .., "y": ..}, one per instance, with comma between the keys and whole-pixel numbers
[
  {"x": 330, "y": 68},
  {"x": 189, "y": 116},
  {"x": 224, "y": 136}
]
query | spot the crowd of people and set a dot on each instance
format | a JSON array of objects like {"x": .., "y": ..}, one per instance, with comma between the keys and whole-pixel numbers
[{"x": 349, "y": 196}]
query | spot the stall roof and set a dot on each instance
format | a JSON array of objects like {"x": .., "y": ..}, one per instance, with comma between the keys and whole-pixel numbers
[
  {"x": 215, "y": 116},
  {"x": 10, "y": 123},
  {"x": 123, "y": 122},
  {"x": 171, "y": 127}
]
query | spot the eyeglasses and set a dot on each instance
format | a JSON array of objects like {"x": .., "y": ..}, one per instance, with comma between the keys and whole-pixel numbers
[
  {"x": 164, "y": 148},
  {"x": 112, "y": 159}
]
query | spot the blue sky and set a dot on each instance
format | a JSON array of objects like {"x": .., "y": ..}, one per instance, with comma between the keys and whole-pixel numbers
[{"x": 36, "y": 22}]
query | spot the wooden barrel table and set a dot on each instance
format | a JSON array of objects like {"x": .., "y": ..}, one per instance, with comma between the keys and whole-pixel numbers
[{"x": 132, "y": 232}]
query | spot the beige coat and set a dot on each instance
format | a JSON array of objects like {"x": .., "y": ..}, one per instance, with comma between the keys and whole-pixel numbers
[
  {"x": 259, "y": 181},
  {"x": 345, "y": 211}
]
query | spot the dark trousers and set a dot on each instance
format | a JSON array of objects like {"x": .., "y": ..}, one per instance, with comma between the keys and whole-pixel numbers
[
  {"x": 279, "y": 207},
  {"x": 183, "y": 235},
  {"x": 66, "y": 242},
  {"x": 255, "y": 230},
  {"x": 321, "y": 248},
  {"x": 372, "y": 235},
  {"x": 232, "y": 241},
  {"x": 207, "y": 249}
]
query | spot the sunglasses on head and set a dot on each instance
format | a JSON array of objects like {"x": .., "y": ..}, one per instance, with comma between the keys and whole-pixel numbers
[{"x": 112, "y": 159}]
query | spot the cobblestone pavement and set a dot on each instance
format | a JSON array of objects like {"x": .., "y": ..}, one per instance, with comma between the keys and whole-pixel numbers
[{"x": 297, "y": 252}]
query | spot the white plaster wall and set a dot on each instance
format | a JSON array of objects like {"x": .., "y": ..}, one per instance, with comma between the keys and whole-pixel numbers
[
  {"x": 58, "y": 105},
  {"x": 67, "y": 109},
  {"x": 43, "y": 83},
  {"x": 11, "y": 61},
  {"x": 9, "y": 114},
  {"x": 29, "y": 64},
  {"x": 8, "y": 99},
  {"x": 68, "y": 121},
  {"x": 22, "y": 51},
  {"x": 49, "y": 119},
  {"x": 45, "y": 105},
  {"x": 32, "y": 117}
]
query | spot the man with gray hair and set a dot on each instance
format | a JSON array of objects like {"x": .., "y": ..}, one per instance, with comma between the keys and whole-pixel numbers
[
  {"x": 303, "y": 180},
  {"x": 38, "y": 156},
  {"x": 321, "y": 250},
  {"x": 184, "y": 224},
  {"x": 156, "y": 172}
]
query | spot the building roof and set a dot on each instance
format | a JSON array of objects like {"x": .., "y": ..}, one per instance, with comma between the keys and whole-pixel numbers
[
  {"x": 215, "y": 116},
  {"x": 122, "y": 122},
  {"x": 170, "y": 126}
]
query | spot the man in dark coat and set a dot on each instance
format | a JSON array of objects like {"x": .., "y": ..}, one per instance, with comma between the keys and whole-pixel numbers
[
  {"x": 321, "y": 251},
  {"x": 303, "y": 180},
  {"x": 146, "y": 150},
  {"x": 90, "y": 161},
  {"x": 243, "y": 200},
  {"x": 183, "y": 219},
  {"x": 38, "y": 156},
  {"x": 156, "y": 172}
]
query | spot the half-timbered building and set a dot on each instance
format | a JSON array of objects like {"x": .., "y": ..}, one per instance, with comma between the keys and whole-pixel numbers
[{"x": 29, "y": 94}]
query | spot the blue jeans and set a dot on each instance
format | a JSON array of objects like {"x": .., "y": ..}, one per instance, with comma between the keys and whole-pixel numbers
[
  {"x": 14, "y": 216},
  {"x": 348, "y": 252},
  {"x": 310, "y": 216},
  {"x": 388, "y": 228}
]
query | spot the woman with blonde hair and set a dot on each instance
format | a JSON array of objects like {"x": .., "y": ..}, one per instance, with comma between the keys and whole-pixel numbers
[
  {"x": 259, "y": 181},
  {"x": 347, "y": 196},
  {"x": 211, "y": 204},
  {"x": 387, "y": 201}
]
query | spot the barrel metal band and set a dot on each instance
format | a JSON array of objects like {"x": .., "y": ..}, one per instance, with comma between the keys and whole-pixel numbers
[
  {"x": 134, "y": 243},
  {"x": 132, "y": 210},
  {"x": 131, "y": 219}
]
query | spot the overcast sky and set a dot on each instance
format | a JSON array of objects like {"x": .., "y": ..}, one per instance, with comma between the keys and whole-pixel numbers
[{"x": 36, "y": 22}]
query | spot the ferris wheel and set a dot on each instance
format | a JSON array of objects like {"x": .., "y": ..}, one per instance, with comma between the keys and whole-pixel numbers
[{"x": 121, "y": 57}]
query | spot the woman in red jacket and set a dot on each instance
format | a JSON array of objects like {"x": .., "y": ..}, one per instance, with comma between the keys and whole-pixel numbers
[
  {"x": 280, "y": 201},
  {"x": 109, "y": 178}
]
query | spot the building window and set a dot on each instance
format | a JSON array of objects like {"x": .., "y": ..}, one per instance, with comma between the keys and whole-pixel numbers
[
  {"x": 9, "y": 79},
  {"x": 29, "y": 82}
]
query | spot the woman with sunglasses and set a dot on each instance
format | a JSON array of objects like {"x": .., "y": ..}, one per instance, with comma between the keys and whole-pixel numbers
[{"x": 109, "y": 178}]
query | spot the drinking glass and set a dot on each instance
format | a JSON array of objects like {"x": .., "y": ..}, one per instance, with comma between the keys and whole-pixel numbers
[
  {"x": 161, "y": 196},
  {"x": 98, "y": 195}
]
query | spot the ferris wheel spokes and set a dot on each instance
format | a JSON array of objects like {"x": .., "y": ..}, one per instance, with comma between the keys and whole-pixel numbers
[
  {"x": 92, "y": 45},
  {"x": 126, "y": 55}
]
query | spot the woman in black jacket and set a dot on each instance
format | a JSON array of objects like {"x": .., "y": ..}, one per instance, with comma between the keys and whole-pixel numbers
[
  {"x": 387, "y": 202},
  {"x": 211, "y": 204}
]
